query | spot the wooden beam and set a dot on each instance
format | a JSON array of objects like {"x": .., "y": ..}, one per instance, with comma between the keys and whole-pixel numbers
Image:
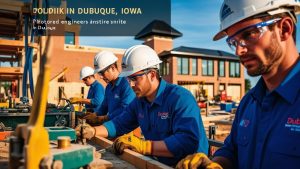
[
  {"x": 10, "y": 7},
  {"x": 11, "y": 70},
  {"x": 16, "y": 43},
  {"x": 134, "y": 158},
  {"x": 8, "y": 22},
  {"x": 9, "y": 77},
  {"x": 59, "y": 75},
  {"x": 12, "y": 2},
  {"x": 217, "y": 117},
  {"x": 4, "y": 59}
]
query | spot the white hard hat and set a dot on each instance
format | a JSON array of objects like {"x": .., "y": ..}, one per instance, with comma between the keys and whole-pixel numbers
[
  {"x": 86, "y": 71},
  {"x": 137, "y": 58},
  {"x": 104, "y": 59},
  {"x": 233, "y": 11}
]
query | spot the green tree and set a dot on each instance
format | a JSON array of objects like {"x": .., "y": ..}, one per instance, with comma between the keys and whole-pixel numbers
[{"x": 247, "y": 85}]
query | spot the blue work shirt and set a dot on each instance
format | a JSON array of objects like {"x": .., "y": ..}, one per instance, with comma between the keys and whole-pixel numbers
[
  {"x": 266, "y": 131},
  {"x": 116, "y": 98},
  {"x": 96, "y": 95},
  {"x": 173, "y": 117}
]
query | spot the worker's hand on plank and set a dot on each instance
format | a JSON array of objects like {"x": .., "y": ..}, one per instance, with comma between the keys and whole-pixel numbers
[
  {"x": 132, "y": 142},
  {"x": 197, "y": 160},
  {"x": 95, "y": 120},
  {"x": 75, "y": 100},
  {"x": 85, "y": 131}
]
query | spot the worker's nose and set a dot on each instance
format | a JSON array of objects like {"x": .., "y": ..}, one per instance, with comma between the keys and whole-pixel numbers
[
  {"x": 240, "y": 50},
  {"x": 131, "y": 83}
]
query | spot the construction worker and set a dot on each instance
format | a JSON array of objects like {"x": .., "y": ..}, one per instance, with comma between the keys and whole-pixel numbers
[
  {"x": 168, "y": 114},
  {"x": 96, "y": 91},
  {"x": 118, "y": 93},
  {"x": 265, "y": 133}
]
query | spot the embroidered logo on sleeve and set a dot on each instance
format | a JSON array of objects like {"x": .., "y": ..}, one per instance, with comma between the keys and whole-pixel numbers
[
  {"x": 244, "y": 123},
  {"x": 163, "y": 115},
  {"x": 293, "y": 124}
]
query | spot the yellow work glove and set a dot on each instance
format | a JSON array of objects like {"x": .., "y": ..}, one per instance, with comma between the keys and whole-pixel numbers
[
  {"x": 75, "y": 100},
  {"x": 95, "y": 120},
  {"x": 197, "y": 160},
  {"x": 132, "y": 142},
  {"x": 85, "y": 131}
]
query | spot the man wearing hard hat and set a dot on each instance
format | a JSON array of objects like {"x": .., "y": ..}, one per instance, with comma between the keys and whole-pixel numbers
[
  {"x": 168, "y": 114},
  {"x": 96, "y": 91},
  {"x": 266, "y": 130},
  {"x": 118, "y": 93}
]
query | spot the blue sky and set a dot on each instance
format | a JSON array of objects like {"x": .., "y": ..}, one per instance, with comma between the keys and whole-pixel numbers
[{"x": 197, "y": 20}]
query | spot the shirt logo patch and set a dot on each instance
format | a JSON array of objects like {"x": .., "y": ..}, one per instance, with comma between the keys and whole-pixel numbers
[
  {"x": 293, "y": 124},
  {"x": 163, "y": 115},
  {"x": 141, "y": 116},
  {"x": 244, "y": 123},
  {"x": 117, "y": 96}
]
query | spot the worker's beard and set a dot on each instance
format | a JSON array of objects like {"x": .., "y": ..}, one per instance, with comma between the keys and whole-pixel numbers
[{"x": 273, "y": 57}]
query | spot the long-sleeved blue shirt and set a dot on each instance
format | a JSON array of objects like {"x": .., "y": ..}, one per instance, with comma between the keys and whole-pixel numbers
[
  {"x": 116, "y": 98},
  {"x": 96, "y": 95},
  {"x": 173, "y": 117},
  {"x": 266, "y": 130}
]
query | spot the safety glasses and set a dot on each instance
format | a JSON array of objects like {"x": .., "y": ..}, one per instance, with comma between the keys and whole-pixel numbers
[
  {"x": 101, "y": 73},
  {"x": 249, "y": 35},
  {"x": 133, "y": 78},
  {"x": 85, "y": 79}
]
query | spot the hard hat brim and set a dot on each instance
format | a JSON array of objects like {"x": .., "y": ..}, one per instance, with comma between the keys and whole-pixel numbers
[
  {"x": 96, "y": 71},
  {"x": 126, "y": 73},
  {"x": 220, "y": 35}
]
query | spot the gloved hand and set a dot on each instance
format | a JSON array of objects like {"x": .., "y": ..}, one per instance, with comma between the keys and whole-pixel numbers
[
  {"x": 132, "y": 142},
  {"x": 85, "y": 131},
  {"x": 83, "y": 114},
  {"x": 75, "y": 100},
  {"x": 95, "y": 120},
  {"x": 197, "y": 160}
]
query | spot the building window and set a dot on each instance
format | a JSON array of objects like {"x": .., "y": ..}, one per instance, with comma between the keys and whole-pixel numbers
[
  {"x": 182, "y": 66},
  {"x": 234, "y": 69},
  {"x": 70, "y": 38},
  {"x": 221, "y": 68},
  {"x": 164, "y": 68},
  {"x": 194, "y": 66},
  {"x": 207, "y": 67}
]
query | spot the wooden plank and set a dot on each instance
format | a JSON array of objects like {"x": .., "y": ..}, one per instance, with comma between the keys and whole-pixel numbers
[
  {"x": 59, "y": 75},
  {"x": 12, "y": 2},
  {"x": 11, "y": 70},
  {"x": 9, "y": 77},
  {"x": 134, "y": 158},
  {"x": 10, "y": 7},
  {"x": 218, "y": 117},
  {"x": 3, "y": 59},
  {"x": 7, "y": 22},
  {"x": 16, "y": 43}
]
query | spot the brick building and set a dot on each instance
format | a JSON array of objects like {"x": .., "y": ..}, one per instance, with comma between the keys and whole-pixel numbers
[{"x": 216, "y": 70}]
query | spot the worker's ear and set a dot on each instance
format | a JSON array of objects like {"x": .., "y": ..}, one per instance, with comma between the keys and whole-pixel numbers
[
  {"x": 286, "y": 27},
  {"x": 152, "y": 75}
]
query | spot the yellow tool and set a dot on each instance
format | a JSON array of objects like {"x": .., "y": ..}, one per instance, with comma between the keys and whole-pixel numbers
[{"x": 28, "y": 136}]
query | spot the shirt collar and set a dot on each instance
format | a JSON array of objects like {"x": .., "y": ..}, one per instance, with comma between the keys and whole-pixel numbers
[
  {"x": 259, "y": 91},
  {"x": 94, "y": 83},
  {"x": 288, "y": 89},
  {"x": 159, "y": 95},
  {"x": 118, "y": 81}
]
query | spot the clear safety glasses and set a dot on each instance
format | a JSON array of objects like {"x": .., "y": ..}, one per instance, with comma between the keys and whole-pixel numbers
[
  {"x": 133, "y": 78},
  {"x": 249, "y": 35},
  {"x": 101, "y": 73}
]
